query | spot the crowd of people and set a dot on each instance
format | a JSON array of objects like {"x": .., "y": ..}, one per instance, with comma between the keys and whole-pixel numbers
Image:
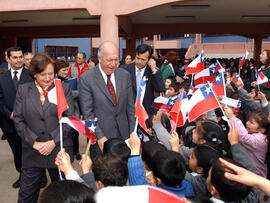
[{"x": 222, "y": 156}]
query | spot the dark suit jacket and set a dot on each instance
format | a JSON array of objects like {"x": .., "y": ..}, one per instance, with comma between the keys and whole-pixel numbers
[
  {"x": 96, "y": 101},
  {"x": 7, "y": 97},
  {"x": 4, "y": 65},
  {"x": 153, "y": 83},
  {"x": 35, "y": 122}
]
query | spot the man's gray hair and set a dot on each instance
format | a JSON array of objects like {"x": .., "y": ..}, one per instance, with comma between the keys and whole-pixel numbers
[{"x": 101, "y": 48}]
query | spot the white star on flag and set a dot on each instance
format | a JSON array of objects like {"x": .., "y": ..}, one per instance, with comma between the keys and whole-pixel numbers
[
  {"x": 207, "y": 90},
  {"x": 217, "y": 78}
]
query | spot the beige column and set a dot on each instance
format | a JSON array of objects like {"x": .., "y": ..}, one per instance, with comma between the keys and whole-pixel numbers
[
  {"x": 108, "y": 22},
  {"x": 257, "y": 44},
  {"x": 198, "y": 38}
]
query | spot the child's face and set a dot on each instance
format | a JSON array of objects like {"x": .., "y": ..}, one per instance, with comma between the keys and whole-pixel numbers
[
  {"x": 167, "y": 83},
  {"x": 252, "y": 126},
  {"x": 193, "y": 162},
  {"x": 172, "y": 92},
  {"x": 208, "y": 180}
]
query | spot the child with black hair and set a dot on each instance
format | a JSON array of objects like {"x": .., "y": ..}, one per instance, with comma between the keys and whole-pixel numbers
[
  {"x": 116, "y": 146},
  {"x": 174, "y": 90},
  {"x": 227, "y": 190},
  {"x": 254, "y": 138},
  {"x": 168, "y": 168},
  {"x": 168, "y": 82},
  {"x": 223, "y": 124}
]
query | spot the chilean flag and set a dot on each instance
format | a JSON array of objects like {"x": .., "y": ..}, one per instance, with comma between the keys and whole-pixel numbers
[
  {"x": 237, "y": 78},
  {"x": 57, "y": 96},
  {"x": 137, "y": 194},
  {"x": 87, "y": 128},
  {"x": 219, "y": 86},
  {"x": 242, "y": 60},
  {"x": 216, "y": 65},
  {"x": 202, "y": 101},
  {"x": 163, "y": 103},
  {"x": 190, "y": 89},
  {"x": 140, "y": 111},
  {"x": 261, "y": 78},
  {"x": 206, "y": 75},
  {"x": 197, "y": 65},
  {"x": 183, "y": 110}
]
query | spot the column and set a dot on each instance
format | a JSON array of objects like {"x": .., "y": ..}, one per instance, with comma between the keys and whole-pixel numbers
[
  {"x": 131, "y": 46},
  {"x": 257, "y": 47},
  {"x": 108, "y": 23},
  {"x": 198, "y": 38}
]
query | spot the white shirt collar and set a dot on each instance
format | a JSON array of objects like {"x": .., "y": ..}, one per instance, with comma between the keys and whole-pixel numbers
[
  {"x": 105, "y": 77},
  {"x": 18, "y": 74},
  {"x": 142, "y": 70}
]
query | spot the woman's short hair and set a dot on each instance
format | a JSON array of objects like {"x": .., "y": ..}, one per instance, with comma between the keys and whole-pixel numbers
[
  {"x": 59, "y": 64},
  {"x": 39, "y": 63}
]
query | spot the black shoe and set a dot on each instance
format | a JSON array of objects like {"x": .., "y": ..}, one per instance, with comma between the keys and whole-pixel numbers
[
  {"x": 16, "y": 184},
  {"x": 4, "y": 137},
  {"x": 43, "y": 181},
  {"x": 78, "y": 156}
]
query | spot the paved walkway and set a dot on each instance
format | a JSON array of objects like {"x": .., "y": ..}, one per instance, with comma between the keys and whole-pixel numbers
[{"x": 9, "y": 174}]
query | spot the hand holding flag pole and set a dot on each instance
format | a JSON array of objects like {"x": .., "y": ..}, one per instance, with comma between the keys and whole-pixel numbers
[
  {"x": 219, "y": 103},
  {"x": 179, "y": 108}
]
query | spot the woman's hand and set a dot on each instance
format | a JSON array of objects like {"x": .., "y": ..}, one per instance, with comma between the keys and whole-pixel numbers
[
  {"x": 86, "y": 164},
  {"x": 63, "y": 162},
  {"x": 135, "y": 144}
]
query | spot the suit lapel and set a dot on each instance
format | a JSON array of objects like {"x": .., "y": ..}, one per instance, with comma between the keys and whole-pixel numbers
[
  {"x": 9, "y": 81},
  {"x": 35, "y": 98},
  {"x": 133, "y": 77},
  {"x": 23, "y": 76},
  {"x": 117, "y": 84},
  {"x": 101, "y": 84}
]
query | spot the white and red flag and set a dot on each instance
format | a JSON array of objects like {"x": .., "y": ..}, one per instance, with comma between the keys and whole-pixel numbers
[
  {"x": 163, "y": 103},
  {"x": 182, "y": 111},
  {"x": 140, "y": 111},
  {"x": 261, "y": 79},
  {"x": 237, "y": 78},
  {"x": 87, "y": 128},
  {"x": 219, "y": 85},
  {"x": 206, "y": 75},
  {"x": 197, "y": 65},
  {"x": 242, "y": 60},
  {"x": 202, "y": 101},
  {"x": 57, "y": 96}
]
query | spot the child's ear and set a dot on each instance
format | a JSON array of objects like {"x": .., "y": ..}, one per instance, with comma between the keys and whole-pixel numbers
[
  {"x": 261, "y": 130},
  {"x": 99, "y": 184},
  {"x": 199, "y": 169},
  {"x": 214, "y": 192},
  {"x": 158, "y": 181}
]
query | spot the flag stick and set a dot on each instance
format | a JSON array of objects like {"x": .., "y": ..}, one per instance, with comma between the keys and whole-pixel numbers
[
  {"x": 61, "y": 146},
  {"x": 136, "y": 125},
  {"x": 219, "y": 103},
  {"x": 178, "y": 111},
  {"x": 259, "y": 88}
]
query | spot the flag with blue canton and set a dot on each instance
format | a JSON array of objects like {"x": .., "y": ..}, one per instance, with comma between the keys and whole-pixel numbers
[{"x": 206, "y": 91}]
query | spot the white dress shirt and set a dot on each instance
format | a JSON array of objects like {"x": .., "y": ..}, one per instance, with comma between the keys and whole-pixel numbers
[
  {"x": 105, "y": 77},
  {"x": 19, "y": 72}
]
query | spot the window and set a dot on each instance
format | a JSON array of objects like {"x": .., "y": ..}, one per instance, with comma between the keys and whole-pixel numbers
[{"x": 62, "y": 52}]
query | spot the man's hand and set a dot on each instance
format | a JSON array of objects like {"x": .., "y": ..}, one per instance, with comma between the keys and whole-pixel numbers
[
  {"x": 11, "y": 116},
  {"x": 135, "y": 144},
  {"x": 86, "y": 164},
  {"x": 62, "y": 160},
  {"x": 45, "y": 148},
  {"x": 101, "y": 142},
  {"x": 152, "y": 65}
]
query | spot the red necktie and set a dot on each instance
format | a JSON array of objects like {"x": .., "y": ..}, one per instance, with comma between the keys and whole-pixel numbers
[{"x": 111, "y": 89}]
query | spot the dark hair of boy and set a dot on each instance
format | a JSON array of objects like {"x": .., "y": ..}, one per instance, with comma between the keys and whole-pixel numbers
[
  {"x": 116, "y": 146},
  {"x": 187, "y": 136},
  {"x": 169, "y": 167},
  {"x": 110, "y": 170},
  {"x": 175, "y": 86},
  {"x": 229, "y": 191},
  {"x": 172, "y": 79},
  {"x": 205, "y": 155},
  {"x": 149, "y": 149},
  {"x": 67, "y": 191}
]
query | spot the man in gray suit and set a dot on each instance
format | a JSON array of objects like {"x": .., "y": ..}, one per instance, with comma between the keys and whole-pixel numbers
[{"x": 106, "y": 93}]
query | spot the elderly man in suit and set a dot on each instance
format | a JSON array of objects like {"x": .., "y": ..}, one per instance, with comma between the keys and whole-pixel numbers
[
  {"x": 106, "y": 93},
  {"x": 9, "y": 82},
  {"x": 144, "y": 66}
]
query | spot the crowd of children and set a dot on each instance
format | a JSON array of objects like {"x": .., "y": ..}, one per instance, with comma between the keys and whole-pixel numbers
[{"x": 207, "y": 160}]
